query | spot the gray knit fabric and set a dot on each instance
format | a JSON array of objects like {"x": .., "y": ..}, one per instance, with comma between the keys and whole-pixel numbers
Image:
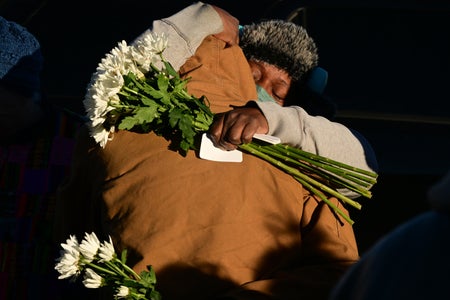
[
  {"x": 21, "y": 59},
  {"x": 280, "y": 43}
]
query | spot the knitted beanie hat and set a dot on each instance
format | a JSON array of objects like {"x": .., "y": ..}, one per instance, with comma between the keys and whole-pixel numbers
[
  {"x": 280, "y": 43},
  {"x": 21, "y": 59}
]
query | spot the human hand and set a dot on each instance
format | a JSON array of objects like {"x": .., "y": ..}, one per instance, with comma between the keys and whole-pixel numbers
[
  {"x": 237, "y": 126},
  {"x": 230, "y": 33}
]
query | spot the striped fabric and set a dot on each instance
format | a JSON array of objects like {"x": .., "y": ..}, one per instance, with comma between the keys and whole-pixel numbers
[{"x": 30, "y": 173}]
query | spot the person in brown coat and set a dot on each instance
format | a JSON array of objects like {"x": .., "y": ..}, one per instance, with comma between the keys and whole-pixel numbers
[{"x": 210, "y": 230}]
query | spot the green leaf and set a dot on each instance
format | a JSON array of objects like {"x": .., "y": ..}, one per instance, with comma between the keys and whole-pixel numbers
[
  {"x": 170, "y": 70},
  {"x": 154, "y": 295},
  {"x": 154, "y": 93},
  {"x": 163, "y": 83},
  {"x": 143, "y": 115},
  {"x": 186, "y": 126},
  {"x": 147, "y": 114},
  {"x": 149, "y": 102},
  {"x": 185, "y": 146},
  {"x": 123, "y": 256},
  {"x": 127, "y": 123},
  {"x": 174, "y": 117},
  {"x": 166, "y": 101},
  {"x": 148, "y": 278}
]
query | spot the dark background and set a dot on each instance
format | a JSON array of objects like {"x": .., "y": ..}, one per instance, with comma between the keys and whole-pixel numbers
[{"x": 388, "y": 65}]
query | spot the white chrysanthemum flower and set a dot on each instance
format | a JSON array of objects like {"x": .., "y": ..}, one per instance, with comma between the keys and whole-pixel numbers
[
  {"x": 108, "y": 84},
  {"x": 147, "y": 49},
  {"x": 122, "y": 292},
  {"x": 103, "y": 87},
  {"x": 91, "y": 279},
  {"x": 101, "y": 135},
  {"x": 118, "y": 60},
  {"x": 102, "y": 94},
  {"x": 105, "y": 84},
  {"x": 160, "y": 43},
  {"x": 71, "y": 243},
  {"x": 68, "y": 264},
  {"x": 121, "y": 60},
  {"x": 100, "y": 100},
  {"x": 152, "y": 43},
  {"x": 89, "y": 246},
  {"x": 143, "y": 61},
  {"x": 141, "y": 53},
  {"x": 106, "y": 251}
]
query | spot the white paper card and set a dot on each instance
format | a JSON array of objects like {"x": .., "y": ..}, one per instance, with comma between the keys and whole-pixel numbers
[
  {"x": 267, "y": 138},
  {"x": 210, "y": 152}
]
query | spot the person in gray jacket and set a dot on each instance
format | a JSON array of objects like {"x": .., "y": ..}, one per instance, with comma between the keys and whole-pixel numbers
[{"x": 292, "y": 124}]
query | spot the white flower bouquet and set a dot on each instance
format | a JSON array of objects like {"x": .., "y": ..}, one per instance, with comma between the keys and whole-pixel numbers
[
  {"x": 135, "y": 88},
  {"x": 100, "y": 266}
]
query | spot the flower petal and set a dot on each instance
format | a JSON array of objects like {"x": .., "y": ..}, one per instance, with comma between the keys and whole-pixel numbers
[
  {"x": 122, "y": 292},
  {"x": 68, "y": 264},
  {"x": 106, "y": 251},
  {"x": 89, "y": 246},
  {"x": 92, "y": 280}
]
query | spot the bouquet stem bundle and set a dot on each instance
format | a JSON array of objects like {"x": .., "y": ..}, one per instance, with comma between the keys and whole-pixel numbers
[{"x": 318, "y": 174}]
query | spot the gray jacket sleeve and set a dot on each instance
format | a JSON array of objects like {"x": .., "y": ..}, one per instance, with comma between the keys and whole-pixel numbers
[
  {"x": 186, "y": 30},
  {"x": 319, "y": 135}
]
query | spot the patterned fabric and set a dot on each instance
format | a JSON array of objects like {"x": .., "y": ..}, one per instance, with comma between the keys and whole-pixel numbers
[{"x": 30, "y": 173}]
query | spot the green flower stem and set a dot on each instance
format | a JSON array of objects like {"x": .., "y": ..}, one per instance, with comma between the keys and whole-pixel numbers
[
  {"x": 126, "y": 91},
  {"x": 185, "y": 95},
  {"x": 128, "y": 269},
  {"x": 100, "y": 268},
  {"x": 326, "y": 175},
  {"x": 324, "y": 199},
  {"x": 294, "y": 172},
  {"x": 118, "y": 271},
  {"x": 201, "y": 127},
  {"x": 270, "y": 150},
  {"x": 138, "y": 296},
  {"x": 330, "y": 161},
  {"x": 336, "y": 172},
  {"x": 328, "y": 165}
]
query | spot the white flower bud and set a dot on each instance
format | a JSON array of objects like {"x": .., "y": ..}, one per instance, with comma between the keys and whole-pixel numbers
[{"x": 91, "y": 279}]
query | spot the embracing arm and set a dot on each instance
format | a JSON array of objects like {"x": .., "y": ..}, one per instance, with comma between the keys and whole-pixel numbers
[
  {"x": 319, "y": 135},
  {"x": 294, "y": 126},
  {"x": 187, "y": 29}
]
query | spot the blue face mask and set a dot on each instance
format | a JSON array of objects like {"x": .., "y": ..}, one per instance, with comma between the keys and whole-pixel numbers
[{"x": 263, "y": 96}]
